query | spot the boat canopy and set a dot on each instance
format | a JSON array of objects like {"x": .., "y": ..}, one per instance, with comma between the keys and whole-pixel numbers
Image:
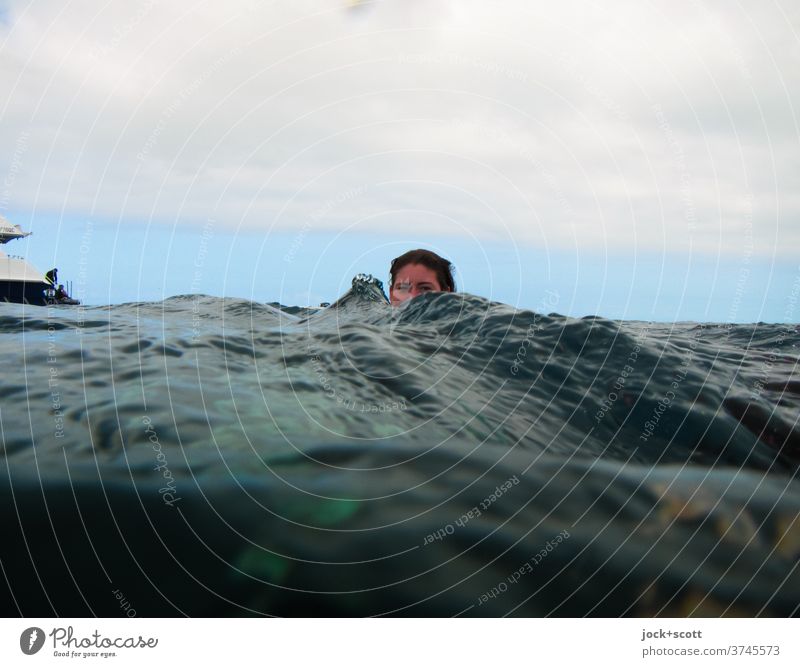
[{"x": 9, "y": 232}]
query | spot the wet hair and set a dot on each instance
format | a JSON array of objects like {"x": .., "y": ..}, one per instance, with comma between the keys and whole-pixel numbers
[{"x": 439, "y": 265}]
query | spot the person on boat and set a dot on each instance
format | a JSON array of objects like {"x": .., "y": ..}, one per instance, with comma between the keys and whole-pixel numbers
[
  {"x": 419, "y": 271},
  {"x": 51, "y": 276},
  {"x": 61, "y": 293}
]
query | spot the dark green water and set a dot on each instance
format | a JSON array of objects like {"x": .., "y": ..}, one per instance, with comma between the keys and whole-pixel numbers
[{"x": 203, "y": 456}]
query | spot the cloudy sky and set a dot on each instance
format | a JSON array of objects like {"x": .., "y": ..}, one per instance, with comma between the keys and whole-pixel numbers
[{"x": 336, "y": 134}]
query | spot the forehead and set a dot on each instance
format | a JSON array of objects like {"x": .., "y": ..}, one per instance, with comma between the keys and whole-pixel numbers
[{"x": 416, "y": 273}]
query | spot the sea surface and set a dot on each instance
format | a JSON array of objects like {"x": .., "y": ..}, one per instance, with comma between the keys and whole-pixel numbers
[{"x": 454, "y": 456}]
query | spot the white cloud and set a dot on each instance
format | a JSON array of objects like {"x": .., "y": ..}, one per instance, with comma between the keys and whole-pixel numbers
[{"x": 597, "y": 125}]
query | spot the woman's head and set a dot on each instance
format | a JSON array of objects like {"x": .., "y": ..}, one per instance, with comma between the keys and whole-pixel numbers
[{"x": 419, "y": 271}]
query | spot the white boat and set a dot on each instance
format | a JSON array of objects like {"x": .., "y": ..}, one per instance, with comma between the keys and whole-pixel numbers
[{"x": 20, "y": 282}]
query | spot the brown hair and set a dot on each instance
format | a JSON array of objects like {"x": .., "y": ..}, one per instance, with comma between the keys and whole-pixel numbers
[{"x": 442, "y": 267}]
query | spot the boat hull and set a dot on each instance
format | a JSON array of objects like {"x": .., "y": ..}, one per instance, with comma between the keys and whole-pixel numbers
[{"x": 24, "y": 291}]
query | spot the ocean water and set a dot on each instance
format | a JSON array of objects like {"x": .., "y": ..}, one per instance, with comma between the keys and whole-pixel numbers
[{"x": 454, "y": 456}]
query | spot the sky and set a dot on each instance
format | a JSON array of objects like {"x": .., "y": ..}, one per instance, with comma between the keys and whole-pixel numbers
[{"x": 635, "y": 160}]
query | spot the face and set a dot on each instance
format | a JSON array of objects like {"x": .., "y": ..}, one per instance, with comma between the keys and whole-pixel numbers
[{"x": 412, "y": 280}]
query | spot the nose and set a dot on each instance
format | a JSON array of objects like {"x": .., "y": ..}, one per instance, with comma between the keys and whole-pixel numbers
[{"x": 399, "y": 296}]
